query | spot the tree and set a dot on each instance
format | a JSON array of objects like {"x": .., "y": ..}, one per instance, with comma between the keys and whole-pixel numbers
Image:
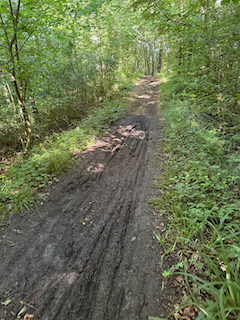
[{"x": 20, "y": 21}]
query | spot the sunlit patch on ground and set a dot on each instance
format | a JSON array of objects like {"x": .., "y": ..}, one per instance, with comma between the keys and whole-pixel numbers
[
  {"x": 114, "y": 142},
  {"x": 96, "y": 168},
  {"x": 147, "y": 95},
  {"x": 131, "y": 131}
]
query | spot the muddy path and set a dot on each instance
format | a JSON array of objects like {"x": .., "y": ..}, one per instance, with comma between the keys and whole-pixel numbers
[{"x": 88, "y": 253}]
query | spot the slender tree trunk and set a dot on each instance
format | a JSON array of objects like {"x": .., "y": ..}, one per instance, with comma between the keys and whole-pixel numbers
[
  {"x": 159, "y": 60},
  {"x": 153, "y": 59},
  {"x": 147, "y": 61},
  {"x": 17, "y": 82}
]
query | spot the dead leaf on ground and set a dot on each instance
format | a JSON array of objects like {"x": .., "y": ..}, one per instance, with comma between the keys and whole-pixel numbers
[
  {"x": 186, "y": 311},
  {"x": 177, "y": 316},
  {"x": 22, "y": 311},
  {"x": 179, "y": 279},
  {"x": 17, "y": 231},
  {"x": 6, "y": 303},
  {"x": 28, "y": 316}
]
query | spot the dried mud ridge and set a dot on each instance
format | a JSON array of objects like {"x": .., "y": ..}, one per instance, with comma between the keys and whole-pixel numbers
[{"x": 89, "y": 253}]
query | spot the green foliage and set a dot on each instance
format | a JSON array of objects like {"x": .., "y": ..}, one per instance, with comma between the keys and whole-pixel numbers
[
  {"x": 63, "y": 65},
  {"x": 200, "y": 195},
  {"x": 201, "y": 44},
  {"x": 229, "y": 1},
  {"x": 65, "y": 58}
]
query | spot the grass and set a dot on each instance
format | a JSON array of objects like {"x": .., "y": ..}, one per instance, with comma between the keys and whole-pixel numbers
[
  {"x": 199, "y": 197},
  {"x": 19, "y": 183}
]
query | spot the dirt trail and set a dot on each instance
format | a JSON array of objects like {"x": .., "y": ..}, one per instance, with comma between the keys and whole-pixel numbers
[{"x": 89, "y": 252}]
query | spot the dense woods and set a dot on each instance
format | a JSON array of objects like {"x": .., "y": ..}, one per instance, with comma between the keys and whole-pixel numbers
[
  {"x": 58, "y": 59},
  {"x": 65, "y": 68},
  {"x": 200, "y": 188}
]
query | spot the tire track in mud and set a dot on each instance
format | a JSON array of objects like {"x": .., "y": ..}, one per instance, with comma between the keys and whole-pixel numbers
[{"x": 89, "y": 254}]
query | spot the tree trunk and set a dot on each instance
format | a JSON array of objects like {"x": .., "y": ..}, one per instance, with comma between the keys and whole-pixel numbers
[
  {"x": 147, "y": 58},
  {"x": 17, "y": 80},
  {"x": 153, "y": 59},
  {"x": 159, "y": 61}
]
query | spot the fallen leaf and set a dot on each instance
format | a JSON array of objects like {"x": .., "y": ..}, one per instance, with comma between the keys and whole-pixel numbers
[
  {"x": 28, "y": 316},
  {"x": 15, "y": 192},
  {"x": 17, "y": 231},
  {"x": 21, "y": 311},
  {"x": 179, "y": 279},
  {"x": 223, "y": 267},
  {"x": 6, "y": 303},
  {"x": 186, "y": 311},
  {"x": 177, "y": 316}
]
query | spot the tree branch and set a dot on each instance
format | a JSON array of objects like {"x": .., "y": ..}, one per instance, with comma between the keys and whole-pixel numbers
[
  {"x": 31, "y": 33},
  {"x": 2, "y": 45},
  {"x": 18, "y": 9},
  {"x": 11, "y": 8},
  {"x": 178, "y": 21}
]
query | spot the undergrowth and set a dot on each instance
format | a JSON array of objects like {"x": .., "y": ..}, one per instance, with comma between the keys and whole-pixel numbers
[
  {"x": 54, "y": 155},
  {"x": 199, "y": 197}
]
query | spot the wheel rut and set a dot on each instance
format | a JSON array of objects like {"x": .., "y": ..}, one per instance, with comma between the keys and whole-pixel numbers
[{"x": 88, "y": 252}]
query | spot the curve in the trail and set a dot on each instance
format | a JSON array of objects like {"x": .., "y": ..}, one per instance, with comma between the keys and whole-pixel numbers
[{"x": 88, "y": 254}]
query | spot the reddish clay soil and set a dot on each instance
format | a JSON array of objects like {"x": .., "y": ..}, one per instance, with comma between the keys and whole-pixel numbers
[{"x": 88, "y": 252}]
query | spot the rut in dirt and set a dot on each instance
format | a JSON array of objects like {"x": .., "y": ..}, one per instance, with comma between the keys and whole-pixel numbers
[{"x": 89, "y": 252}]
